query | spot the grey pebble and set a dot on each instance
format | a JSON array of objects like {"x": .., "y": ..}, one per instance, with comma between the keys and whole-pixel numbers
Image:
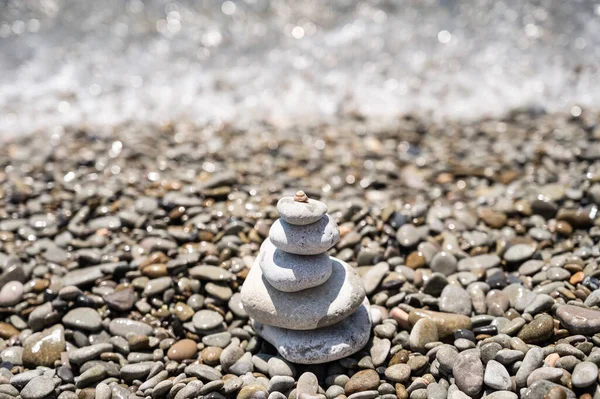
[
  {"x": 364, "y": 395},
  {"x": 38, "y": 388},
  {"x": 103, "y": 391},
  {"x": 496, "y": 376},
  {"x": 280, "y": 367},
  {"x": 545, "y": 373},
  {"x": 468, "y": 372},
  {"x": 203, "y": 372},
  {"x": 123, "y": 326},
  {"x": 380, "y": 350},
  {"x": 455, "y": 299},
  {"x": 533, "y": 360},
  {"x": 519, "y": 253},
  {"x": 207, "y": 319},
  {"x": 86, "y": 319},
  {"x": 280, "y": 383},
  {"x": 584, "y": 374}
]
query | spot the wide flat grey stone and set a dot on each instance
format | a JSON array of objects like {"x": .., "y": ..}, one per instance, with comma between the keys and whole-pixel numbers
[
  {"x": 579, "y": 320},
  {"x": 301, "y": 213},
  {"x": 289, "y": 272},
  {"x": 310, "y": 239},
  {"x": 312, "y": 308},
  {"x": 323, "y": 344}
]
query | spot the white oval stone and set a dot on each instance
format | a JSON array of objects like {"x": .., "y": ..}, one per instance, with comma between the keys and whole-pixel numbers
[
  {"x": 312, "y": 308},
  {"x": 323, "y": 344},
  {"x": 290, "y": 273},
  {"x": 311, "y": 239},
  {"x": 301, "y": 213}
]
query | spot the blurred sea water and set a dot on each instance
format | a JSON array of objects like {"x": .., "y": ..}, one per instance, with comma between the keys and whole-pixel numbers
[{"x": 71, "y": 62}]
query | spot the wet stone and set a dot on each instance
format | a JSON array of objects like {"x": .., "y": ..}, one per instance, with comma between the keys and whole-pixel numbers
[
  {"x": 538, "y": 331},
  {"x": 86, "y": 319},
  {"x": 38, "y": 388},
  {"x": 207, "y": 320}
]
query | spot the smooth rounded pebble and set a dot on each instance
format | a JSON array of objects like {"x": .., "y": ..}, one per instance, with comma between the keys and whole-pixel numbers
[
  {"x": 321, "y": 345},
  {"x": 38, "y": 388},
  {"x": 122, "y": 327},
  {"x": 289, "y": 272},
  {"x": 398, "y": 373},
  {"x": 207, "y": 319},
  {"x": 315, "y": 307},
  {"x": 11, "y": 293},
  {"x": 311, "y": 239},
  {"x": 181, "y": 350},
  {"x": 519, "y": 253},
  {"x": 86, "y": 319},
  {"x": 444, "y": 262},
  {"x": 468, "y": 372},
  {"x": 579, "y": 320},
  {"x": 423, "y": 332},
  {"x": 584, "y": 375},
  {"x": 496, "y": 376},
  {"x": 301, "y": 213},
  {"x": 456, "y": 300}
]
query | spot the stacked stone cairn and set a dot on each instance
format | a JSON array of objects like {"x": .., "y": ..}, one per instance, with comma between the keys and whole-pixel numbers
[{"x": 310, "y": 306}]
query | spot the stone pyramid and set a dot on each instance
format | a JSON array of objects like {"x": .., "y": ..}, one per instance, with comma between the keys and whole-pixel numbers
[{"x": 310, "y": 306}]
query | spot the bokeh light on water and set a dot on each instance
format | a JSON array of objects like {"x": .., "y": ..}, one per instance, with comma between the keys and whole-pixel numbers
[{"x": 104, "y": 62}]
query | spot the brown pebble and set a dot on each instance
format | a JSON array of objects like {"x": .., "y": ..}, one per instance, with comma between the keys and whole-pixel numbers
[
  {"x": 364, "y": 380},
  {"x": 87, "y": 393},
  {"x": 563, "y": 227},
  {"x": 401, "y": 392},
  {"x": 253, "y": 391},
  {"x": 182, "y": 311},
  {"x": 156, "y": 270},
  {"x": 401, "y": 317},
  {"x": 182, "y": 350},
  {"x": 154, "y": 257},
  {"x": 556, "y": 392},
  {"x": 40, "y": 285},
  {"x": 399, "y": 357},
  {"x": 492, "y": 218},
  {"x": 300, "y": 196},
  {"x": 138, "y": 342},
  {"x": 577, "y": 278},
  {"x": 211, "y": 355},
  {"x": 7, "y": 330},
  {"x": 415, "y": 260}
]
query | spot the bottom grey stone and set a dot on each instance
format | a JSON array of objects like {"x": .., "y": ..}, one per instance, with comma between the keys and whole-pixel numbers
[{"x": 323, "y": 344}]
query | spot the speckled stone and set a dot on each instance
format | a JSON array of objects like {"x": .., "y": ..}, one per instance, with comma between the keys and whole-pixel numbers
[
  {"x": 496, "y": 376},
  {"x": 38, "y": 388},
  {"x": 315, "y": 307},
  {"x": 468, "y": 372},
  {"x": 321, "y": 345},
  {"x": 538, "y": 331},
  {"x": 182, "y": 350},
  {"x": 447, "y": 323},
  {"x": 364, "y": 380},
  {"x": 86, "y": 319},
  {"x": 311, "y": 239},
  {"x": 455, "y": 299},
  {"x": 44, "y": 348},
  {"x": 301, "y": 213},
  {"x": 584, "y": 374},
  {"x": 289, "y": 272},
  {"x": 122, "y": 327},
  {"x": 206, "y": 319},
  {"x": 579, "y": 320}
]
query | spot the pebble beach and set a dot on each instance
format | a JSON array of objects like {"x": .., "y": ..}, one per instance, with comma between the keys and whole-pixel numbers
[
  {"x": 261, "y": 199},
  {"x": 123, "y": 253}
]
